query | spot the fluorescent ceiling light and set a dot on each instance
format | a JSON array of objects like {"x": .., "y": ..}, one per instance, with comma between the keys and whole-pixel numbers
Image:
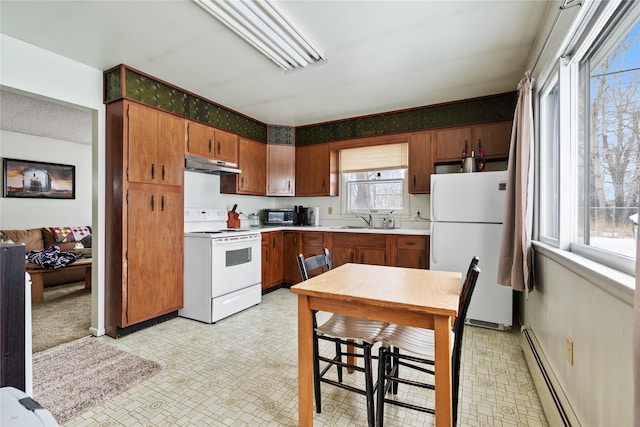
[{"x": 261, "y": 24}]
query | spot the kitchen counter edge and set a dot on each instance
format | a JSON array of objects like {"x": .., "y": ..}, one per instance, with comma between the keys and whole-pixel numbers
[{"x": 338, "y": 229}]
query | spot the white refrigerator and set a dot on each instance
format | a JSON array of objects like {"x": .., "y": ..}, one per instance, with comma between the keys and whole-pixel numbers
[{"x": 466, "y": 221}]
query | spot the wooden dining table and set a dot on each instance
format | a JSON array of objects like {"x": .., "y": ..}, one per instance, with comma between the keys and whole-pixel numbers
[{"x": 414, "y": 297}]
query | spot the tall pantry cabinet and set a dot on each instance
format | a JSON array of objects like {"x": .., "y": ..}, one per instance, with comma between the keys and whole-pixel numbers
[{"x": 145, "y": 208}]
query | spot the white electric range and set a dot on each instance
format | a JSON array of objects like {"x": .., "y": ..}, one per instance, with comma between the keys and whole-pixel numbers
[{"x": 222, "y": 266}]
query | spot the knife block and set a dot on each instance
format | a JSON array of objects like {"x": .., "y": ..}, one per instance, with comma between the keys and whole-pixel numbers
[{"x": 233, "y": 220}]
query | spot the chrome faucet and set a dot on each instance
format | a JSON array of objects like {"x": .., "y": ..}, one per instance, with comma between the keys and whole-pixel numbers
[{"x": 369, "y": 222}]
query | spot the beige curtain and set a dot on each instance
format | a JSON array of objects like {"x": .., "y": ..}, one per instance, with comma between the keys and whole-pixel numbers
[
  {"x": 636, "y": 335},
  {"x": 514, "y": 264}
]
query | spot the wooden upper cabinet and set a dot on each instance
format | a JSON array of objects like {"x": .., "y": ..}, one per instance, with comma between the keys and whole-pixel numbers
[
  {"x": 199, "y": 139},
  {"x": 316, "y": 171},
  {"x": 495, "y": 139},
  {"x": 155, "y": 146},
  {"x": 225, "y": 146},
  {"x": 451, "y": 142},
  {"x": 420, "y": 163},
  {"x": 252, "y": 160},
  {"x": 281, "y": 170},
  {"x": 206, "y": 141}
]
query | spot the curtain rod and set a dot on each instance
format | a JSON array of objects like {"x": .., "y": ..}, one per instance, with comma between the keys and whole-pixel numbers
[{"x": 566, "y": 4}]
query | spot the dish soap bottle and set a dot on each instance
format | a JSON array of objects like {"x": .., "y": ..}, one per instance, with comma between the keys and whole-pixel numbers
[{"x": 390, "y": 222}]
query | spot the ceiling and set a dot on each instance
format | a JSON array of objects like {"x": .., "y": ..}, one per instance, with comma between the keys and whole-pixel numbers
[{"x": 381, "y": 55}]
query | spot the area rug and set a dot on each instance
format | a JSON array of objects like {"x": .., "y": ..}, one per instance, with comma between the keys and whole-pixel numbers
[
  {"x": 63, "y": 316},
  {"x": 70, "y": 378}
]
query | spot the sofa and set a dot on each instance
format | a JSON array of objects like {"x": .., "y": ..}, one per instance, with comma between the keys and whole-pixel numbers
[{"x": 39, "y": 239}]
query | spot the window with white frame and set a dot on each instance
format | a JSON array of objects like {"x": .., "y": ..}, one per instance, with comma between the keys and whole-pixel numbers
[
  {"x": 608, "y": 143},
  {"x": 549, "y": 161},
  {"x": 374, "y": 178},
  {"x": 589, "y": 141}
]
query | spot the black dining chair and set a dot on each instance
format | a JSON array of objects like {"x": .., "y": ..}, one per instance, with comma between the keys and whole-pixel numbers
[
  {"x": 345, "y": 333},
  {"x": 420, "y": 344}
]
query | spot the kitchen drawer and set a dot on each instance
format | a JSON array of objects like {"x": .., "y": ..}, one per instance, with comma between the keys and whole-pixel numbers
[
  {"x": 412, "y": 242},
  {"x": 313, "y": 238},
  {"x": 359, "y": 239}
]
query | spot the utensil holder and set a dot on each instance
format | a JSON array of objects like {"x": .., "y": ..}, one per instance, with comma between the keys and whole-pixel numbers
[{"x": 233, "y": 220}]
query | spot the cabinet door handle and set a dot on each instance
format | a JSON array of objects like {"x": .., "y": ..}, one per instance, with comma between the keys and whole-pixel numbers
[
  {"x": 289, "y": 185},
  {"x": 414, "y": 181},
  {"x": 267, "y": 256},
  {"x": 218, "y": 147},
  {"x": 210, "y": 146},
  {"x": 153, "y": 203},
  {"x": 411, "y": 243},
  {"x": 163, "y": 173},
  {"x": 242, "y": 182},
  {"x": 153, "y": 171},
  {"x": 274, "y": 243},
  {"x": 188, "y": 127},
  {"x": 295, "y": 240},
  {"x": 162, "y": 203},
  {"x": 324, "y": 183}
]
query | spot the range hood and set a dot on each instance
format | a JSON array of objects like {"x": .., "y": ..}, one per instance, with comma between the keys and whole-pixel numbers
[{"x": 213, "y": 167}]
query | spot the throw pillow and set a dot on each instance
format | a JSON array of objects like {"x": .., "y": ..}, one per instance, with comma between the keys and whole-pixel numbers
[
  {"x": 80, "y": 233},
  {"x": 63, "y": 234}
]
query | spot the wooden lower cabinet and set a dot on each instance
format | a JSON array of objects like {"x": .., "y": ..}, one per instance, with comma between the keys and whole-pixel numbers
[
  {"x": 399, "y": 250},
  {"x": 412, "y": 251},
  {"x": 272, "y": 259},
  {"x": 312, "y": 244},
  {"x": 152, "y": 286},
  {"x": 292, "y": 247},
  {"x": 361, "y": 248}
]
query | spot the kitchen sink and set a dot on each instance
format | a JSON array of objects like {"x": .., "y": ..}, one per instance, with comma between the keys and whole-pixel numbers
[{"x": 354, "y": 227}]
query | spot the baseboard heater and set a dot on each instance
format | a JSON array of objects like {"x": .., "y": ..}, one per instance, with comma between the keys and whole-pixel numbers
[{"x": 554, "y": 402}]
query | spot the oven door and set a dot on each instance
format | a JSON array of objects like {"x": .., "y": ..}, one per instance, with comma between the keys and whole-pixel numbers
[{"x": 236, "y": 263}]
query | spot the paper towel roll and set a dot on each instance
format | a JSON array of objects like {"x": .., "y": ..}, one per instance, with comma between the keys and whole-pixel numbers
[{"x": 316, "y": 212}]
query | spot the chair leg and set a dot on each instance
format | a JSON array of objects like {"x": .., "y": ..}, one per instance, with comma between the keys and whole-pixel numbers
[
  {"x": 396, "y": 368},
  {"x": 383, "y": 371},
  {"x": 455, "y": 384},
  {"x": 339, "y": 358},
  {"x": 316, "y": 373},
  {"x": 368, "y": 373}
]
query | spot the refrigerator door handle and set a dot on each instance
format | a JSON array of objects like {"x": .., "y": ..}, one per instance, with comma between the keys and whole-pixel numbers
[
  {"x": 432, "y": 238},
  {"x": 434, "y": 217}
]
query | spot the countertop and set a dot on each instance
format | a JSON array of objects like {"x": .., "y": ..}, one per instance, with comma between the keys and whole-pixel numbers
[{"x": 344, "y": 229}]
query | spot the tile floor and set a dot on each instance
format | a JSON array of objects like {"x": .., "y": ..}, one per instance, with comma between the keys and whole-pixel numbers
[{"x": 242, "y": 371}]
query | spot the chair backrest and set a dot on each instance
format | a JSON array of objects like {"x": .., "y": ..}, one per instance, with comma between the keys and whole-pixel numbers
[
  {"x": 313, "y": 262},
  {"x": 465, "y": 299},
  {"x": 474, "y": 262}
]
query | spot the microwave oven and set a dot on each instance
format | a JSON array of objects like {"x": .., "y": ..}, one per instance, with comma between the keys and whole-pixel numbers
[{"x": 277, "y": 216}]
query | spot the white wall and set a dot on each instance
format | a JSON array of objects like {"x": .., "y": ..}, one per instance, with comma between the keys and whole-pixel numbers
[
  {"x": 32, "y": 70},
  {"x": 203, "y": 191},
  {"x": 20, "y": 213},
  {"x": 599, "y": 384}
]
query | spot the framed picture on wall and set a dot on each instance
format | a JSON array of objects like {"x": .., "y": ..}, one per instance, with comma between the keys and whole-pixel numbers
[{"x": 31, "y": 179}]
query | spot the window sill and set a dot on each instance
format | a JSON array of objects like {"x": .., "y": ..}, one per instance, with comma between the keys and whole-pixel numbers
[{"x": 614, "y": 282}]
